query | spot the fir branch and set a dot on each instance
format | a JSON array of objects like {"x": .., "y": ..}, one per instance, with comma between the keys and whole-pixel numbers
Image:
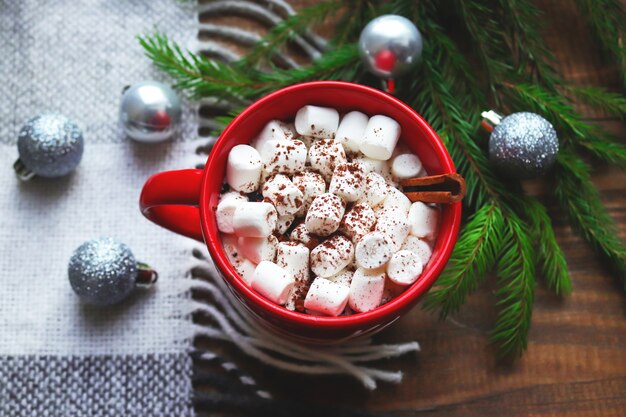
[
  {"x": 521, "y": 21},
  {"x": 516, "y": 272},
  {"x": 513, "y": 254},
  {"x": 568, "y": 122},
  {"x": 549, "y": 253},
  {"x": 284, "y": 31},
  {"x": 612, "y": 104},
  {"x": 580, "y": 199},
  {"x": 608, "y": 20},
  {"x": 474, "y": 255},
  {"x": 203, "y": 77},
  {"x": 436, "y": 102},
  {"x": 239, "y": 82},
  {"x": 356, "y": 14},
  {"x": 485, "y": 31}
]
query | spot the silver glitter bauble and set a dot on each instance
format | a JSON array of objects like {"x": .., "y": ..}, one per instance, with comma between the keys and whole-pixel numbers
[
  {"x": 49, "y": 145},
  {"x": 150, "y": 112},
  {"x": 390, "y": 45},
  {"x": 523, "y": 145},
  {"x": 104, "y": 271}
]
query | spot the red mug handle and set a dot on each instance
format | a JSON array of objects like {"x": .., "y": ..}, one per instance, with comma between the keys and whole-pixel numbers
[{"x": 170, "y": 199}]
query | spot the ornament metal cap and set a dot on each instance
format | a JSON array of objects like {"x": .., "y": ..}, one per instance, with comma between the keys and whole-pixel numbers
[
  {"x": 23, "y": 173},
  {"x": 491, "y": 119},
  {"x": 146, "y": 276}
]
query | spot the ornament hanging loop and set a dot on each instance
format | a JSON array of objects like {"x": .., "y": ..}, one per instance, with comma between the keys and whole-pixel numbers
[{"x": 146, "y": 276}]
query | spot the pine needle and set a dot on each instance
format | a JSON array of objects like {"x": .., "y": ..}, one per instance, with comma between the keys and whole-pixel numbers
[
  {"x": 568, "y": 122},
  {"x": 612, "y": 104},
  {"x": 474, "y": 255},
  {"x": 580, "y": 199},
  {"x": 516, "y": 276},
  {"x": 283, "y": 32},
  {"x": 549, "y": 253},
  {"x": 608, "y": 20}
]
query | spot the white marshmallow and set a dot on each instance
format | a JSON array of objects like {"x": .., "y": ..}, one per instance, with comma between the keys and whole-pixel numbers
[
  {"x": 285, "y": 196},
  {"x": 226, "y": 210},
  {"x": 373, "y": 250},
  {"x": 243, "y": 168},
  {"x": 319, "y": 122},
  {"x": 395, "y": 225},
  {"x": 375, "y": 189},
  {"x": 325, "y": 214},
  {"x": 283, "y": 157},
  {"x": 258, "y": 249},
  {"x": 366, "y": 289},
  {"x": 254, "y": 219},
  {"x": 418, "y": 246},
  {"x": 351, "y": 130},
  {"x": 391, "y": 291},
  {"x": 423, "y": 220},
  {"x": 300, "y": 234},
  {"x": 244, "y": 267},
  {"x": 379, "y": 167},
  {"x": 232, "y": 194},
  {"x": 273, "y": 130},
  {"x": 325, "y": 155},
  {"x": 404, "y": 267},
  {"x": 331, "y": 256},
  {"x": 358, "y": 221},
  {"x": 343, "y": 277},
  {"x": 327, "y": 297},
  {"x": 394, "y": 201},
  {"x": 272, "y": 282},
  {"x": 374, "y": 165},
  {"x": 348, "y": 181},
  {"x": 294, "y": 258},
  {"x": 406, "y": 166},
  {"x": 380, "y": 138},
  {"x": 284, "y": 222},
  {"x": 310, "y": 184}
]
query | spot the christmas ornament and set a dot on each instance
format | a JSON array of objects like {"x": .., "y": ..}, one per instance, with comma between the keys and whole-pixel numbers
[
  {"x": 389, "y": 45},
  {"x": 150, "y": 112},
  {"x": 104, "y": 271},
  {"x": 522, "y": 145},
  {"x": 49, "y": 145}
]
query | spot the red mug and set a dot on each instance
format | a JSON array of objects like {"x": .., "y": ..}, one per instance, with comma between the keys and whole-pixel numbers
[{"x": 184, "y": 202}]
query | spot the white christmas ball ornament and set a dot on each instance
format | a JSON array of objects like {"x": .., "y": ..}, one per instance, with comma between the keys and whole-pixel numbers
[
  {"x": 150, "y": 112},
  {"x": 390, "y": 45}
]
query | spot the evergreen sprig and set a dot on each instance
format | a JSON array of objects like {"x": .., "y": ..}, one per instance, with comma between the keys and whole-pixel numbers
[
  {"x": 580, "y": 199},
  {"x": 570, "y": 124},
  {"x": 612, "y": 104},
  {"x": 475, "y": 254},
  {"x": 506, "y": 233},
  {"x": 549, "y": 254},
  {"x": 607, "y": 18}
]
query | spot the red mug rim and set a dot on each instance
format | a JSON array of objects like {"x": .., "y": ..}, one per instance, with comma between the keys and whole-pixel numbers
[{"x": 212, "y": 184}]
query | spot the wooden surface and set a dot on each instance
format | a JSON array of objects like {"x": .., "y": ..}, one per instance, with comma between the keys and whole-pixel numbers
[{"x": 576, "y": 359}]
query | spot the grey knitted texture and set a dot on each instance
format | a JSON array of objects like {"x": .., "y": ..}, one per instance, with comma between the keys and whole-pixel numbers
[
  {"x": 57, "y": 356},
  {"x": 101, "y": 386}
]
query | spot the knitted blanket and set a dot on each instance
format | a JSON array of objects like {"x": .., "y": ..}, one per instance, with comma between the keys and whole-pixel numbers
[{"x": 57, "y": 356}]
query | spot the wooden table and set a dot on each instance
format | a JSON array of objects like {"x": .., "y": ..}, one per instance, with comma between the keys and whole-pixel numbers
[{"x": 576, "y": 359}]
